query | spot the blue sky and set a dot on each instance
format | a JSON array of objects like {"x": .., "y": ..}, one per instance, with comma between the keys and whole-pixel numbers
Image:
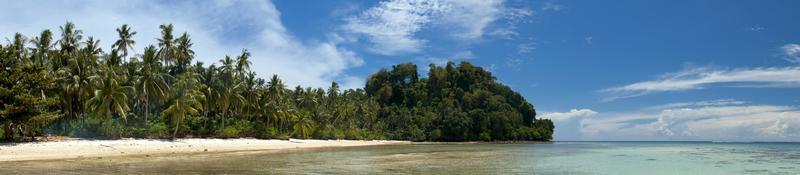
[{"x": 603, "y": 70}]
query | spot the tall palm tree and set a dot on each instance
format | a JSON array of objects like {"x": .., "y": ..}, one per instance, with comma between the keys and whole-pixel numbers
[
  {"x": 92, "y": 47},
  {"x": 229, "y": 94},
  {"x": 275, "y": 105},
  {"x": 166, "y": 45},
  {"x": 152, "y": 81},
  {"x": 75, "y": 66},
  {"x": 43, "y": 43},
  {"x": 183, "y": 53},
  {"x": 17, "y": 47},
  {"x": 186, "y": 102},
  {"x": 110, "y": 97},
  {"x": 251, "y": 84},
  {"x": 125, "y": 40},
  {"x": 210, "y": 80},
  {"x": 243, "y": 63},
  {"x": 69, "y": 42},
  {"x": 70, "y": 39}
]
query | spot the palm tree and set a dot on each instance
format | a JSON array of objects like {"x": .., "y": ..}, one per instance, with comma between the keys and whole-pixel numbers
[
  {"x": 251, "y": 85},
  {"x": 70, "y": 39},
  {"x": 276, "y": 106},
  {"x": 184, "y": 53},
  {"x": 243, "y": 63},
  {"x": 17, "y": 47},
  {"x": 152, "y": 82},
  {"x": 166, "y": 45},
  {"x": 125, "y": 40},
  {"x": 75, "y": 66},
  {"x": 113, "y": 59},
  {"x": 229, "y": 94},
  {"x": 110, "y": 97},
  {"x": 304, "y": 125},
  {"x": 187, "y": 99},
  {"x": 43, "y": 43},
  {"x": 210, "y": 80},
  {"x": 92, "y": 46}
]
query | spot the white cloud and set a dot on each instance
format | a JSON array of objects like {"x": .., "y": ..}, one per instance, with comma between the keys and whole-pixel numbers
[
  {"x": 698, "y": 78},
  {"x": 471, "y": 17},
  {"x": 719, "y": 102},
  {"x": 392, "y": 25},
  {"x": 514, "y": 64},
  {"x": 574, "y": 113},
  {"x": 216, "y": 27},
  {"x": 526, "y": 47},
  {"x": 464, "y": 55},
  {"x": 553, "y": 7},
  {"x": 725, "y": 122},
  {"x": 791, "y": 53},
  {"x": 442, "y": 61}
]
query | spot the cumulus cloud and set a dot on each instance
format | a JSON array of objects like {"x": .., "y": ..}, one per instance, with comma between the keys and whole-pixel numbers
[
  {"x": 699, "y": 78},
  {"x": 574, "y": 113},
  {"x": 392, "y": 25},
  {"x": 216, "y": 27},
  {"x": 791, "y": 53},
  {"x": 715, "y": 122}
]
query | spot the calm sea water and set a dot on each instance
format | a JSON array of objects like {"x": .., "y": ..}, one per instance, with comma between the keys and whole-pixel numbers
[{"x": 555, "y": 158}]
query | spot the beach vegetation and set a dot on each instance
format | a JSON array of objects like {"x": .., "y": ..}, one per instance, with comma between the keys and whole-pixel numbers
[{"x": 64, "y": 84}]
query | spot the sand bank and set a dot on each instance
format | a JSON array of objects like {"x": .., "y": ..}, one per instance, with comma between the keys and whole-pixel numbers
[{"x": 71, "y": 149}]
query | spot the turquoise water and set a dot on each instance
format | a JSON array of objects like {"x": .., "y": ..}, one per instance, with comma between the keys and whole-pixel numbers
[{"x": 555, "y": 158}]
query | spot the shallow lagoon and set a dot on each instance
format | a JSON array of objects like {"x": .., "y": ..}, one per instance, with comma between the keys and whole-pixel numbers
[{"x": 552, "y": 158}]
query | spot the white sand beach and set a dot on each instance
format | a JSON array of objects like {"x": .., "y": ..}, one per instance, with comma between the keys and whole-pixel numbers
[{"x": 71, "y": 149}]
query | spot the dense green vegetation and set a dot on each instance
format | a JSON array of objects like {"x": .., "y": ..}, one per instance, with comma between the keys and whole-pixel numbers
[{"x": 72, "y": 87}]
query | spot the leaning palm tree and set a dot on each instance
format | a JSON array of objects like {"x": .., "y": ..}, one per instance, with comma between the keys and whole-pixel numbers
[
  {"x": 125, "y": 40},
  {"x": 187, "y": 99},
  {"x": 110, "y": 97},
  {"x": 152, "y": 82}
]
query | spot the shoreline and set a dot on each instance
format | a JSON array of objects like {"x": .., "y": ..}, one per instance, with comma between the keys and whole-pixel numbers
[{"x": 80, "y": 148}]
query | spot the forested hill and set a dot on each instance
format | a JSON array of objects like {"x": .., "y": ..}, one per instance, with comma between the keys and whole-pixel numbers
[
  {"x": 453, "y": 103},
  {"x": 64, "y": 84}
]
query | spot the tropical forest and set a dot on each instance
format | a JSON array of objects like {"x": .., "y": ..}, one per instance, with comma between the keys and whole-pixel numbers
[{"x": 61, "y": 83}]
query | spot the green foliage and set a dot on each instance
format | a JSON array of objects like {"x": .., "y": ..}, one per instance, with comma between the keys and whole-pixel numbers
[
  {"x": 455, "y": 103},
  {"x": 69, "y": 86},
  {"x": 158, "y": 130},
  {"x": 229, "y": 132}
]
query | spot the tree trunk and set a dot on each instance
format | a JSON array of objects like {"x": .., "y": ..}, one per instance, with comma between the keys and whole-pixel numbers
[
  {"x": 177, "y": 125},
  {"x": 7, "y": 132},
  {"x": 146, "y": 111}
]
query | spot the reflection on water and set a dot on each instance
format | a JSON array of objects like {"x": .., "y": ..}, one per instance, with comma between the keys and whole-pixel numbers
[{"x": 556, "y": 158}]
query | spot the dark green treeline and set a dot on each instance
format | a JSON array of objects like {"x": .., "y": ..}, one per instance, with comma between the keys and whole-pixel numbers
[{"x": 66, "y": 85}]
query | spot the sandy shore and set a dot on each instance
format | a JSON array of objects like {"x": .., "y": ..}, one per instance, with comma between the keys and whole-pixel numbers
[{"x": 103, "y": 148}]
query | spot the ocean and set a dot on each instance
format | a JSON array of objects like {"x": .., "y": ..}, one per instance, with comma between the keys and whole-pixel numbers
[{"x": 567, "y": 158}]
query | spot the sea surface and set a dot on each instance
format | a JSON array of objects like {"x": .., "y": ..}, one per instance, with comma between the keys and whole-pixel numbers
[{"x": 613, "y": 158}]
